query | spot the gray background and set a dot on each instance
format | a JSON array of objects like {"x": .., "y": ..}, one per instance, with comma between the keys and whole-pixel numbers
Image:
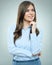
[{"x": 8, "y": 14}]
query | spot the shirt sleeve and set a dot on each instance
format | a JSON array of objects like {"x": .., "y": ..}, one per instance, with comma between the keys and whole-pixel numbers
[
  {"x": 36, "y": 42},
  {"x": 12, "y": 48}
]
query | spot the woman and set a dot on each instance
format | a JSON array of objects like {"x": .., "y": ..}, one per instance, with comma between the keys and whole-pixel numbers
[{"x": 25, "y": 43}]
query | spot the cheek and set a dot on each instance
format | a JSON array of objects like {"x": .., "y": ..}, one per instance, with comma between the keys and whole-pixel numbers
[
  {"x": 26, "y": 15},
  {"x": 34, "y": 14}
]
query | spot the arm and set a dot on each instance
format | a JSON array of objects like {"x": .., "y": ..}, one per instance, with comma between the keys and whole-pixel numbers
[
  {"x": 12, "y": 48},
  {"x": 36, "y": 43}
]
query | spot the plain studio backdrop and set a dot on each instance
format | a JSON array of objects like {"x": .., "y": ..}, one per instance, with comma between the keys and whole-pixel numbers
[{"x": 8, "y": 15}]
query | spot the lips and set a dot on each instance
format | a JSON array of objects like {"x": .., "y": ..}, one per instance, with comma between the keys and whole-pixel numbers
[{"x": 30, "y": 17}]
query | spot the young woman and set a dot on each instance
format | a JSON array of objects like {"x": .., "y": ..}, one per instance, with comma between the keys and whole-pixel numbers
[{"x": 25, "y": 38}]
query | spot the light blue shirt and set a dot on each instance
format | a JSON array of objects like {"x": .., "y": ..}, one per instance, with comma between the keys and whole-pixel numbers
[{"x": 24, "y": 48}]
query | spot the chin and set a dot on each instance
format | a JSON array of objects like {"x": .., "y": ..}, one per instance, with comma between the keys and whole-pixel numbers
[{"x": 30, "y": 20}]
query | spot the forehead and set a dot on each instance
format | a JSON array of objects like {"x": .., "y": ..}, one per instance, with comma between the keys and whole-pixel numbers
[{"x": 30, "y": 7}]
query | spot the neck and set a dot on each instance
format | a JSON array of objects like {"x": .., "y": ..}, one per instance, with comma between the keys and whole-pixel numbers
[{"x": 26, "y": 24}]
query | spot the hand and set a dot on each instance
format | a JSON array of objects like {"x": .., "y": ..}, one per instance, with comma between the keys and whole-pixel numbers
[
  {"x": 39, "y": 54},
  {"x": 34, "y": 25}
]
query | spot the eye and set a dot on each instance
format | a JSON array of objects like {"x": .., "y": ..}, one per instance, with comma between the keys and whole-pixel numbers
[
  {"x": 32, "y": 10},
  {"x": 27, "y": 10}
]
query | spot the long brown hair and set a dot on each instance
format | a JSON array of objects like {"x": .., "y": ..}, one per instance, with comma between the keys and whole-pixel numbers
[{"x": 21, "y": 12}]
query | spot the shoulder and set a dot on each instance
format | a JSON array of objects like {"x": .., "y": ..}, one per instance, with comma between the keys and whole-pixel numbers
[{"x": 11, "y": 28}]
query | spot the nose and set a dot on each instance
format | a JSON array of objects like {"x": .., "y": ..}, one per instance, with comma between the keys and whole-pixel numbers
[{"x": 30, "y": 12}]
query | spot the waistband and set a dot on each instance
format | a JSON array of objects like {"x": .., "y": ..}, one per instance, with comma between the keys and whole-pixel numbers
[{"x": 26, "y": 60}]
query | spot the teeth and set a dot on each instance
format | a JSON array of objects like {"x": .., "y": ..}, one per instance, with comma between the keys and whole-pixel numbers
[{"x": 30, "y": 16}]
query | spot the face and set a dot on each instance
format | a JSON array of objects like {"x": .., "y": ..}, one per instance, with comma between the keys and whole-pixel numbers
[{"x": 29, "y": 14}]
